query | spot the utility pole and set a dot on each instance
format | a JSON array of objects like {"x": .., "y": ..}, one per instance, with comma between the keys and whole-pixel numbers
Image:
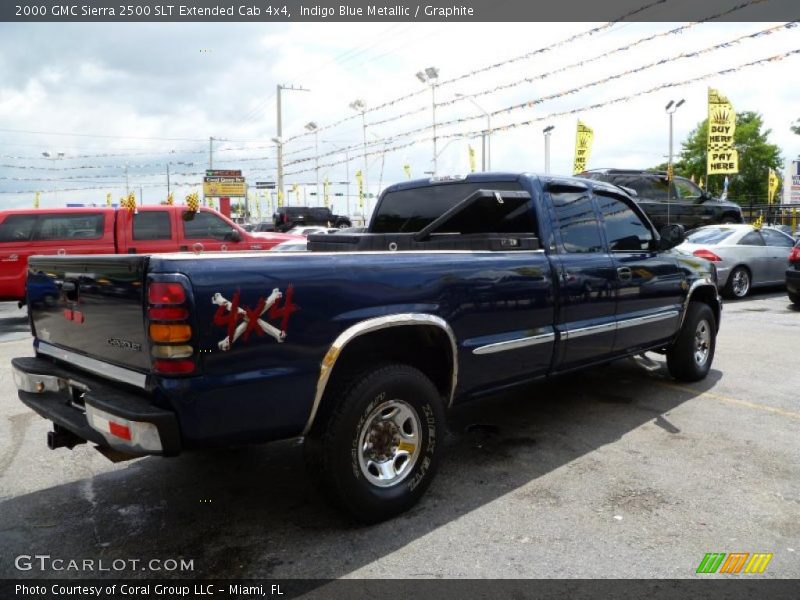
[
  {"x": 210, "y": 152},
  {"x": 486, "y": 135},
  {"x": 671, "y": 108},
  {"x": 167, "y": 179},
  {"x": 279, "y": 127},
  {"x": 430, "y": 76},
  {"x": 127, "y": 185},
  {"x": 314, "y": 128}
]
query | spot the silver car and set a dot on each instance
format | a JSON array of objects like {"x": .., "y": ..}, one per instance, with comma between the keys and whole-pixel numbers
[{"x": 745, "y": 257}]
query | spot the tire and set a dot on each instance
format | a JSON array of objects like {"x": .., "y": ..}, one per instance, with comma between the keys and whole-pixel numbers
[
  {"x": 399, "y": 410},
  {"x": 342, "y": 224},
  {"x": 738, "y": 284},
  {"x": 728, "y": 220},
  {"x": 690, "y": 356},
  {"x": 794, "y": 298}
]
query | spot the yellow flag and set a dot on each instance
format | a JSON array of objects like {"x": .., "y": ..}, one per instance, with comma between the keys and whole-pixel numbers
[
  {"x": 407, "y": 169},
  {"x": 193, "y": 201},
  {"x": 772, "y": 185},
  {"x": 326, "y": 192},
  {"x": 583, "y": 147},
  {"x": 296, "y": 190},
  {"x": 36, "y": 200},
  {"x": 471, "y": 152},
  {"x": 360, "y": 180},
  {"x": 280, "y": 199},
  {"x": 722, "y": 154},
  {"x": 170, "y": 199}
]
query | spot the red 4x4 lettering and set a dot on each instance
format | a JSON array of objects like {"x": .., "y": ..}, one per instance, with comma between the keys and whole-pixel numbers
[{"x": 241, "y": 321}]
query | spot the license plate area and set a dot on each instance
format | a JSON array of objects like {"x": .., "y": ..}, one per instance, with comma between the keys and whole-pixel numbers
[{"x": 77, "y": 395}]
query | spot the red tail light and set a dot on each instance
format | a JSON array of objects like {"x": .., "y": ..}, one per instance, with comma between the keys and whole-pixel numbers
[
  {"x": 170, "y": 350},
  {"x": 166, "y": 293},
  {"x": 794, "y": 256},
  {"x": 707, "y": 254}
]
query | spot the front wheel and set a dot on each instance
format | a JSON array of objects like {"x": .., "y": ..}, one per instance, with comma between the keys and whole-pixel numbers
[
  {"x": 690, "y": 356},
  {"x": 794, "y": 298},
  {"x": 377, "y": 451},
  {"x": 738, "y": 285}
]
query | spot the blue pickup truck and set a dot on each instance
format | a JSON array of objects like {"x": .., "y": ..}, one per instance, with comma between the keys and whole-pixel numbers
[{"x": 459, "y": 289}]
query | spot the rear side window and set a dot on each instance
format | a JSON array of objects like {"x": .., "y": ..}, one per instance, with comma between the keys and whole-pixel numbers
[
  {"x": 17, "y": 228},
  {"x": 646, "y": 188},
  {"x": 408, "y": 211},
  {"x": 576, "y": 220},
  {"x": 752, "y": 239},
  {"x": 70, "y": 227},
  {"x": 624, "y": 229},
  {"x": 152, "y": 225},
  {"x": 487, "y": 215},
  {"x": 775, "y": 238}
]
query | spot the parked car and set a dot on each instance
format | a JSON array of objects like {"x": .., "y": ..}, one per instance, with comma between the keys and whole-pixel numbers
[
  {"x": 291, "y": 246},
  {"x": 793, "y": 275},
  {"x": 683, "y": 202},
  {"x": 26, "y": 232},
  {"x": 459, "y": 289},
  {"x": 263, "y": 227},
  {"x": 745, "y": 256},
  {"x": 306, "y": 231},
  {"x": 287, "y": 217}
]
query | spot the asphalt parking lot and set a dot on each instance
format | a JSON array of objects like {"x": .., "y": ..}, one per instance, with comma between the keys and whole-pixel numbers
[{"x": 615, "y": 472}]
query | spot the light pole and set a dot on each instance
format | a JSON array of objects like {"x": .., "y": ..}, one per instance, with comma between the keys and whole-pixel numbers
[
  {"x": 360, "y": 106},
  {"x": 279, "y": 138},
  {"x": 54, "y": 157},
  {"x": 430, "y": 75},
  {"x": 671, "y": 108},
  {"x": 486, "y": 135},
  {"x": 346, "y": 173},
  {"x": 547, "y": 131},
  {"x": 314, "y": 128}
]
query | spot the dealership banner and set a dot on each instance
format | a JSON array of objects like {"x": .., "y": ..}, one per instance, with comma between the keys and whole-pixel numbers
[
  {"x": 583, "y": 147},
  {"x": 722, "y": 155},
  {"x": 284, "y": 11}
]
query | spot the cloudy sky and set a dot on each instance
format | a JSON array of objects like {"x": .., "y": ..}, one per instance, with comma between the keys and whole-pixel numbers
[{"x": 150, "y": 94}]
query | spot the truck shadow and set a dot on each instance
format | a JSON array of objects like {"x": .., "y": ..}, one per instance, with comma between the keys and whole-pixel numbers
[{"x": 253, "y": 512}]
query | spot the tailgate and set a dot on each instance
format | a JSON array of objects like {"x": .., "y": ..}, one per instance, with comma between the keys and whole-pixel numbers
[{"x": 92, "y": 305}]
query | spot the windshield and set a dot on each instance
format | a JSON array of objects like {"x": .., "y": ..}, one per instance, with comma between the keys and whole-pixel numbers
[{"x": 709, "y": 235}]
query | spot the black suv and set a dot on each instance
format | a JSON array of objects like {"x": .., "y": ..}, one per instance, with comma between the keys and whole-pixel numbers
[
  {"x": 687, "y": 204},
  {"x": 297, "y": 216}
]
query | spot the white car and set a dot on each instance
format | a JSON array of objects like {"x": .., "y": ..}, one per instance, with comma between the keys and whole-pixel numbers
[
  {"x": 309, "y": 229},
  {"x": 745, "y": 256}
]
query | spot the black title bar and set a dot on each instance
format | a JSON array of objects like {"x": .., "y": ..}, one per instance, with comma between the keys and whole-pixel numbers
[{"x": 282, "y": 11}]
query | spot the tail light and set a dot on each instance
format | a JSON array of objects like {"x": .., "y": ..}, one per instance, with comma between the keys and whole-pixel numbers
[
  {"x": 794, "y": 255},
  {"x": 707, "y": 254},
  {"x": 169, "y": 329}
]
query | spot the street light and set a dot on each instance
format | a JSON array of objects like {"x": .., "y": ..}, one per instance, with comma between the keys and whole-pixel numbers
[
  {"x": 547, "y": 131},
  {"x": 671, "y": 107},
  {"x": 486, "y": 135},
  {"x": 54, "y": 157},
  {"x": 279, "y": 138},
  {"x": 361, "y": 107},
  {"x": 430, "y": 76},
  {"x": 314, "y": 128}
]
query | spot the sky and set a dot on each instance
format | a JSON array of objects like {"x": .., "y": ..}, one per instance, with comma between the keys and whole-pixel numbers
[{"x": 152, "y": 94}]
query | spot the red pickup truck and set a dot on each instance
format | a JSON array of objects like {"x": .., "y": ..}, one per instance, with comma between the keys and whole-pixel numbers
[{"x": 150, "y": 229}]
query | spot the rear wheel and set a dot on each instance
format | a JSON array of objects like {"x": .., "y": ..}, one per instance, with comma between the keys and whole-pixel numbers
[
  {"x": 794, "y": 298},
  {"x": 727, "y": 220},
  {"x": 690, "y": 356},
  {"x": 377, "y": 451},
  {"x": 738, "y": 285}
]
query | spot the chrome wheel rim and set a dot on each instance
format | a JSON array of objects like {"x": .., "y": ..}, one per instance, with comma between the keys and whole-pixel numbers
[
  {"x": 702, "y": 342},
  {"x": 741, "y": 283},
  {"x": 389, "y": 443}
]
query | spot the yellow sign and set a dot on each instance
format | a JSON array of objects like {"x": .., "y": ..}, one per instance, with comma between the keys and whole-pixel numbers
[
  {"x": 223, "y": 187},
  {"x": 108, "y": 199},
  {"x": 326, "y": 192},
  {"x": 360, "y": 180},
  {"x": 471, "y": 152},
  {"x": 36, "y": 200},
  {"x": 722, "y": 154},
  {"x": 772, "y": 185},
  {"x": 583, "y": 147},
  {"x": 407, "y": 169}
]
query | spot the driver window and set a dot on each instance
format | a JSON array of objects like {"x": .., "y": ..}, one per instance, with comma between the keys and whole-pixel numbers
[
  {"x": 686, "y": 190},
  {"x": 207, "y": 225},
  {"x": 624, "y": 229}
]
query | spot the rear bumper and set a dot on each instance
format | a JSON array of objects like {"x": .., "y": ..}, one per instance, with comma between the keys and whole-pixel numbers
[
  {"x": 793, "y": 280},
  {"x": 94, "y": 410}
]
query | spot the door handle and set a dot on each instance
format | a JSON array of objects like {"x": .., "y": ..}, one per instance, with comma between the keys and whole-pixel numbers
[{"x": 624, "y": 273}]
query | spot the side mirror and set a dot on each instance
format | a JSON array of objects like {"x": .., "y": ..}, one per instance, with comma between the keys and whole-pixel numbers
[
  {"x": 671, "y": 236},
  {"x": 629, "y": 190},
  {"x": 234, "y": 236}
]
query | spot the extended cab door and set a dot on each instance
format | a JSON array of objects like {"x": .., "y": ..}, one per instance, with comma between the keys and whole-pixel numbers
[
  {"x": 586, "y": 278},
  {"x": 16, "y": 231},
  {"x": 649, "y": 284}
]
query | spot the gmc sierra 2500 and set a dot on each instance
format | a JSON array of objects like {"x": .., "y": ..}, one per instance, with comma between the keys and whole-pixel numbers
[{"x": 459, "y": 289}]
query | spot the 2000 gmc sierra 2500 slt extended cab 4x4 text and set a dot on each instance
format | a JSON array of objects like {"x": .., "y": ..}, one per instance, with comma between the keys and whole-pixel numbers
[{"x": 460, "y": 288}]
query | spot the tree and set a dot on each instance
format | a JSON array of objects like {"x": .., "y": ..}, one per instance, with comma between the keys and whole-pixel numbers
[
  {"x": 796, "y": 127},
  {"x": 756, "y": 157}
]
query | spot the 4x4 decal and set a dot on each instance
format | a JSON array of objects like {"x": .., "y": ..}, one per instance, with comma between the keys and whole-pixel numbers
[{"x": 241, "y": 321}]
